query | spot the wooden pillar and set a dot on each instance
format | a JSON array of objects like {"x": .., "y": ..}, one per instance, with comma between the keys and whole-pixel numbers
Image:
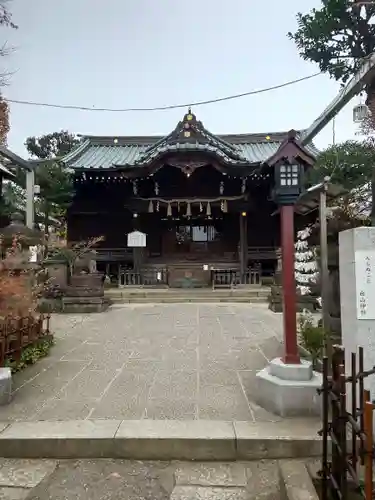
[
  {"x": 279, "y": 267},
  {"x": 30, "y": 189},
  {"x": 291, "y": 354},
  {"x": 138, "y": 258},
  {"x": 243, "y": 246},
  {"x": 136, "y": 254}
]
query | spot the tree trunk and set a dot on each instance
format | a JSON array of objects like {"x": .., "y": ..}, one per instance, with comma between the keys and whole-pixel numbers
[
  {"x": 370, "y": 102},
  {"x": 46, "y": 220},
  {"x": 46, "y": 226}
]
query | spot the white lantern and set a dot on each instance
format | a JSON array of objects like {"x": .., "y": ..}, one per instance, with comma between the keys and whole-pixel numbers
[{"x": 360, "y": 113}]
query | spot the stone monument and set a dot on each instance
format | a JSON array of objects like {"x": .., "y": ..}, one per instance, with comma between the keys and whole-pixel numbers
[{"x": 357, "y": 290}]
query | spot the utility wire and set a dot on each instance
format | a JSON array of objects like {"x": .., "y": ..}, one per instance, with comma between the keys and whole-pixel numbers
[{"x": 162, "y": 108}]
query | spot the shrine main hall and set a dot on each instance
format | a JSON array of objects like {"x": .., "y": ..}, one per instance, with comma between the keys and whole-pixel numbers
[{"x": 200, "y": 205}]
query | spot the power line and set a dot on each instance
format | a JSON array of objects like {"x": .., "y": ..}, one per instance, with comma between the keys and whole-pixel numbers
[{"x": 163, "y": 108}]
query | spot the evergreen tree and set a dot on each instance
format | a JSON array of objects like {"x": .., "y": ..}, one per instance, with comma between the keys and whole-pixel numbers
[
  {"x": 54, "y": 179},
  {"x": 337, "y": 36}
]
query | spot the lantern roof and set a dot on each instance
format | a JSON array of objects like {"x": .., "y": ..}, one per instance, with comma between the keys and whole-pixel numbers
[
  {"x": 292, "y": 150},
  {"x": 17, "y": 228}
]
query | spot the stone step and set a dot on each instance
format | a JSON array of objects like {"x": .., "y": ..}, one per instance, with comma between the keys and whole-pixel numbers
[
  {"x": 209, "y": 493},
  {"x": 227, "y": 481},
  {"x": 161, "y": 439},
  {"x": 295, "y": 481},
  {"x": 256, "y": 292},
  {"x": 189, "y": 298},
  {"x": 178, "y": 295},
  {"x": 192, "y": 300}
]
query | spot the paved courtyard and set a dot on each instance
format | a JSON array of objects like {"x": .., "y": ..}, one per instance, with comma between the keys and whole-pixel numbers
[
  {"x": 183, "y": 361},
  {"x": 139, "y": 480}
]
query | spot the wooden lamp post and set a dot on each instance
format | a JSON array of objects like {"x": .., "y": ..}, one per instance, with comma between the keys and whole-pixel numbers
[
  {"x": 289, "y": 164},
  {"x": 287, "y": 386},
  {"x": 288, "y": 187}
]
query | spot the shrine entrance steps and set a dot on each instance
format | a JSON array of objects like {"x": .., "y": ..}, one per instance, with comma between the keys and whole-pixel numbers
[{"x": 130, "y": 295}]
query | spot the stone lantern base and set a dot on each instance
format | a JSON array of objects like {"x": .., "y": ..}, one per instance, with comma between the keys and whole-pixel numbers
[
  {"x": 5, "y": 386},
  {"x": 289, "y": 390}
]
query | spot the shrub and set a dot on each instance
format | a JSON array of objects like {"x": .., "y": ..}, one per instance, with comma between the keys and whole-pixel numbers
[
  {"x": 311, "y": 336},
  {"x": 16, "y": 284},
  {"x": 75, "y": 256},
  {"x": 31, "y": 354}
]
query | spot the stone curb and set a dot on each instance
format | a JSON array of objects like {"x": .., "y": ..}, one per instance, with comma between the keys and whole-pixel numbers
[
  {"x": 296, "y": 482},
  {"x": 159, "y": 440}
]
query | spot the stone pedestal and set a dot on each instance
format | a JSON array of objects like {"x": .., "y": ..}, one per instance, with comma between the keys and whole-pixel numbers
[
  {"x": 84, "y": 305},
  {"x": 304, "y": 302},
  {"x": 5, "y": 386},
  {"x": 85, "y": 295},
  {"x": 57, "y": 273},
  {"x": 289, "y": 390},
  {"x": 86, "y": 285},
  {"x": 357, "y": 283}
]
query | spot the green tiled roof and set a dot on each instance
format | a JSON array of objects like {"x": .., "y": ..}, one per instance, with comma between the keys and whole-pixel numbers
[{"x": 98, "y": 152}]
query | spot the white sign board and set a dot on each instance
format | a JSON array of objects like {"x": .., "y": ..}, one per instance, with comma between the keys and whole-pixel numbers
[
  {"x": 365, "y": 284},
  {"x": 136, "y": 239},
  {"x": 33, "y": 254}
]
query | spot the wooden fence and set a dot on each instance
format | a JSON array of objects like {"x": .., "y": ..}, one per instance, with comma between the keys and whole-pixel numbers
[
  {"x": 18, "y": 333},
  {"x": 146, "y": 277},
  {"x": 230, "y": 278},
  {"x": 350, "y": 432}
]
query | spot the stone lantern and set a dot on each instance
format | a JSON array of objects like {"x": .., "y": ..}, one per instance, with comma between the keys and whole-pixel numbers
[{"x": 26, "y": 238}]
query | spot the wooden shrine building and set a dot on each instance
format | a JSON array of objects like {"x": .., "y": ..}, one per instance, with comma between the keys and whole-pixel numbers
[{"x": 202, "y": 200}]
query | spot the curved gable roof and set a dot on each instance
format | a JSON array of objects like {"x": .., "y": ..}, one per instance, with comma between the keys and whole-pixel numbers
[{"x": 102, "y": 153}]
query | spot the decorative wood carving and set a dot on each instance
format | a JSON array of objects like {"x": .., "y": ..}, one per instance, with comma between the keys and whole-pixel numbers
[{"x": 187, "y": 167}]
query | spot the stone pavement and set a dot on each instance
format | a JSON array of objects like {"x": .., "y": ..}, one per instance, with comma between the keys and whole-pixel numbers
[
  {"x": 138, "y": 480},
  {"x": 164, "y": 361}
]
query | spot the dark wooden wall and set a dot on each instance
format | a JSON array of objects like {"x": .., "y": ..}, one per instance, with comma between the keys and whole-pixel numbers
[{"x": 106, "y": 209}]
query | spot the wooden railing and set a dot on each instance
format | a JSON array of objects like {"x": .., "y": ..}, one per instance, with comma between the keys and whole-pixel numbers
[
  {"x": 261, "y": 253},
  {"x": 113, "y": 254},
  {"x": 230, "y": 278},
  {"x": 146, "y": 277},
  {"x": 18, "y": 333}
]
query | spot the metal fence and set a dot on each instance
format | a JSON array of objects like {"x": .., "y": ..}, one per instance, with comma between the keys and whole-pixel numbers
[
  {"x": 350, "y": 432},
  {"x": 18, "y": 333}
]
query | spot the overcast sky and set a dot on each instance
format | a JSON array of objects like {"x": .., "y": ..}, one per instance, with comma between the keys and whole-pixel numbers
[{"x": 146, "y": 53}]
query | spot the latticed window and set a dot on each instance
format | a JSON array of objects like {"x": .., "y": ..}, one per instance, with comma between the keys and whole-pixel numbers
[{"x": 289, "y": 175}]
